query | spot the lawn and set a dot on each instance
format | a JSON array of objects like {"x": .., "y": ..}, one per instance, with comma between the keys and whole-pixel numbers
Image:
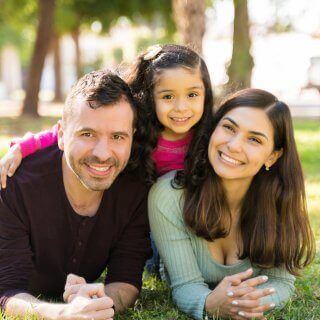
[{"x": 155, "y": 301}]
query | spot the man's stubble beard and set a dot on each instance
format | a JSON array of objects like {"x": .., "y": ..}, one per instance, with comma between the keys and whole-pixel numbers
[{"x": 95, "y": 183}]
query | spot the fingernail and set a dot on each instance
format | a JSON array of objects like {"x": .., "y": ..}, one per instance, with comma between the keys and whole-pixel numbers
[
  {"x": 250, "y": 269},
  {"x": 230, "y": 294},
  {"x": 235, "y": 302},
  {"x": 272, "y": 290},
  {"x": 272, "y": 305},
  {"x": 241, "y": 313},
  {"x": 264, "y": 278}
]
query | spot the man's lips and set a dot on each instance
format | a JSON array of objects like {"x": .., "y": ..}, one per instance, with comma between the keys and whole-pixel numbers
[
  {"x": 229, "y": 160},
  {"x": 99, "y": 170}
]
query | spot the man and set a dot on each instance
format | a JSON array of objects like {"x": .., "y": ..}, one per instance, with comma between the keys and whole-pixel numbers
[{"x": 56, "y": 217}]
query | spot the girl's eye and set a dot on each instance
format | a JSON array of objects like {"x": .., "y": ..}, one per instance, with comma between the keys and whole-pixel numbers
[
  {"x": 193, "y": 94},
  {"x": 229, "y": 128},
  {"x": 255, "y": 140},
  {"x": 168, "y": 97}
]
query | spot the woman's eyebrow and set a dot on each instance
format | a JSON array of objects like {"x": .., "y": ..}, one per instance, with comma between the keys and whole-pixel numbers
[{"x": 258, "y": 133}]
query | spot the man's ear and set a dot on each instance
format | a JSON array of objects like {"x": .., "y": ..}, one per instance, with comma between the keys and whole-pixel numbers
[
  {"x": 60, "y": 136},
  {"x": 273, "y": 158}
]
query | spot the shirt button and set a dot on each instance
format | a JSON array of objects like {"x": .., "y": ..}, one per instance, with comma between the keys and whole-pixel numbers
[
  {"x": 74, "y": 260},
  {"x": 83, "y": 223},
  {"x": 79, "y": 243}
]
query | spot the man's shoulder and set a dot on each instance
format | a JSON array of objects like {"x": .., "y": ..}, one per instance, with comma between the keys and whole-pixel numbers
[{"x": 37, "y": 165}]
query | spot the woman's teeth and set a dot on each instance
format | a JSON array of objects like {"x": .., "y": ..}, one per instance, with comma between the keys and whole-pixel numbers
[{"x": 229, "y": 159}]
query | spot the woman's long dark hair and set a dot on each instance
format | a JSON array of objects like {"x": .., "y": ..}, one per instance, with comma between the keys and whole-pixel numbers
[
  {"x": 274, "y": 223},
  {"x": 141, "y": 79}
]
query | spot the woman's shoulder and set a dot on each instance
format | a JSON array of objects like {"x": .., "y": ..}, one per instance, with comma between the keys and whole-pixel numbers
[
  {"x": 165, "y": 187},
  {"x": 165, "y": 195}
]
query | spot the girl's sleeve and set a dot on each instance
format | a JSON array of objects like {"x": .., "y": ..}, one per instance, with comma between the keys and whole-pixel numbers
[
  {"x": 283, "y": 283},
  {"x": 30, "y": 143},
  {"x": 173, "y": 242}
]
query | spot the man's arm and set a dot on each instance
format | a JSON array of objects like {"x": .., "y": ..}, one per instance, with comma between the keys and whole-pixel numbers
[
  {"x": 81, "y": 307},
  {"x": 123, "y": 295}
]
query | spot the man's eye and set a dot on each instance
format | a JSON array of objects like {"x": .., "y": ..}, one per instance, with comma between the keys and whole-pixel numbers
[
  {"x": 117, "y": 137},
  {"x": 87, "y": 134}
]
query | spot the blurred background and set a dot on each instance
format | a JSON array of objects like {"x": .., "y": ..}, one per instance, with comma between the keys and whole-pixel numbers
[{"x": 46, "y": 45}]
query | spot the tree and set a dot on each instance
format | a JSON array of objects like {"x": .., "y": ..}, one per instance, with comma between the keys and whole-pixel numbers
[
  {"x": 189, "y": 16},
  {"x": 240, "y": 68},
  {"x": 44, "y": 34}
]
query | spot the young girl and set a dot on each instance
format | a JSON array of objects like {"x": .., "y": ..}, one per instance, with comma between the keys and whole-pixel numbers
[
  {"x": 172, "y": 86},
  {"x": 237, "y": 211}
]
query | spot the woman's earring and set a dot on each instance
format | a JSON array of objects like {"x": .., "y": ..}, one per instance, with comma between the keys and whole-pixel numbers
[{"x": 267, "y": 168}]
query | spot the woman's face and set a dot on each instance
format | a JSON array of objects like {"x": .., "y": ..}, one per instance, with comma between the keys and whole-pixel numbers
[{"x": 241, "y": 144}]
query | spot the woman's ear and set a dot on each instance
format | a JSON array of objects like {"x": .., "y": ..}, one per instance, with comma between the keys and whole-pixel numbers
[
  {"x": 60, "y": 135},
  {"x": 272, "y": 159}
]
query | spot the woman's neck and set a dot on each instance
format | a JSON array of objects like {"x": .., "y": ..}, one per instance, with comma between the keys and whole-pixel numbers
[{"x": 235, "y": 191}]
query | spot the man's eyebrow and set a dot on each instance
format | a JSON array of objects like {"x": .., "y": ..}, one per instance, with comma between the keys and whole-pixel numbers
[
  {"x": 252, "y": 132},
  {"x": 85, "y": 129}
]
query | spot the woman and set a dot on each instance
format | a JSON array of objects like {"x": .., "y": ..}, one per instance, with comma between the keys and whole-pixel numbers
[{"x": 232, "y": 229}]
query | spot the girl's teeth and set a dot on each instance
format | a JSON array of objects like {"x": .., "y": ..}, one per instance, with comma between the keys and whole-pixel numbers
[
  {"x": 180, "y": 119},
  {"x": 228, "y": 159}
]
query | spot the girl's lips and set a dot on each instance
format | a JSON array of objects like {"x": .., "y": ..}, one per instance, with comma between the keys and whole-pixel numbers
[{"x": 180, "y": 120}]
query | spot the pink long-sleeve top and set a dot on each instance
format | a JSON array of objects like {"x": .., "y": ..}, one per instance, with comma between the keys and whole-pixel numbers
[{"x": 168, "y": 155}]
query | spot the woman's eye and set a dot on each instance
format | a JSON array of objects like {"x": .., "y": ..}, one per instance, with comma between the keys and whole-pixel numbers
[
  {"x": 228, "y": 127},
  {"x": 255, "y": 140}
]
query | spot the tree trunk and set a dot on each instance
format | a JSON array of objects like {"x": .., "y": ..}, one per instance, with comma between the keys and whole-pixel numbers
[
  {"x": 58, "y": 96},
  {"x": 241, "y": 65},
  {"x": 76, "y": 36},
  {"x": 44, "y": 33},
  {"x": 189, "y": 16}
]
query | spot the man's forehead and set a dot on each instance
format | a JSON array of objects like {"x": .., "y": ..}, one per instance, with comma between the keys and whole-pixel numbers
[{"x": 113, "y": 116}]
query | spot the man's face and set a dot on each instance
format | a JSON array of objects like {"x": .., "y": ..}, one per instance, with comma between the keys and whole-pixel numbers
[{"x": 97, "y": 142}]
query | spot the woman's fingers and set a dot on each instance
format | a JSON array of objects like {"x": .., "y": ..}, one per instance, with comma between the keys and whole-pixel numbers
[{"x": 237, "y": 278}]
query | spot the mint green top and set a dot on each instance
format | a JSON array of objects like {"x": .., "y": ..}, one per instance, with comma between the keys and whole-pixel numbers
[{"x": 188, "y": 261}]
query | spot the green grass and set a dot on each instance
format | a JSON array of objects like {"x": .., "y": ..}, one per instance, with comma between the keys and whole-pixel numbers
[{"x": 155, "y": 301}]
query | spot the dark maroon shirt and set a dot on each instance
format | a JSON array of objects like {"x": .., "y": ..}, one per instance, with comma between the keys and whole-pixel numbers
[{"x": 42, "y": 238}]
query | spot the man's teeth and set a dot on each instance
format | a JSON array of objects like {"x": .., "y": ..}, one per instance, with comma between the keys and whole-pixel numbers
[
  {"x": 102, "y": 169},
  {"x": 180, "y": 119},
  {"x": 230, "y": 160}
]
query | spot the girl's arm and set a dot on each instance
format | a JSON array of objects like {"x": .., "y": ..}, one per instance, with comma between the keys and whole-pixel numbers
[
  {"x": 30, "y": 143},
  {"x": 20, "y": 148}
]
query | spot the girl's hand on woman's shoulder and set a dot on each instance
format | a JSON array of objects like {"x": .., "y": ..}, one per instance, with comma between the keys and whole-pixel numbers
[
  {"x": 237, "y": 297},
  {"x": 9, "y": 164}
]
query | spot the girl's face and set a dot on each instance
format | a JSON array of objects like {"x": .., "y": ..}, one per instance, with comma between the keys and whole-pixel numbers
[
  {"x": 179, "y": 98},
  {"x": 241, "y": 144}
]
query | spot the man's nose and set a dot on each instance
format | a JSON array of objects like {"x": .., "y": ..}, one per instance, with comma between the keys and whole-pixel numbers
[{"x": 102, "y": 150}]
